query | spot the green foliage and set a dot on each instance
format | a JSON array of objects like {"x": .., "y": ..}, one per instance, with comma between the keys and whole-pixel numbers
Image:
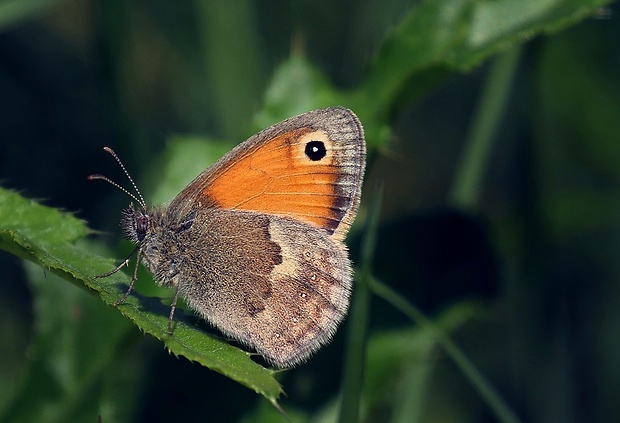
[
  {"x": 82, "y": 349},
  {"x": 47, "y": 237}
]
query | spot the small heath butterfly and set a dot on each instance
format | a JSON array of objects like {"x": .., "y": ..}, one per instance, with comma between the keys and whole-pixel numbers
[{"x": 254, "y": 244}]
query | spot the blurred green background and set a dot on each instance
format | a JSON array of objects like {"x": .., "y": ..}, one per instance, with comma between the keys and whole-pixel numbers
[{"x": 493, "y": 128}]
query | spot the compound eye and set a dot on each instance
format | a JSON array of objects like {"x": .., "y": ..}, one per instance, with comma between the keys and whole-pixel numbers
[{"x": 142, "y": 225}]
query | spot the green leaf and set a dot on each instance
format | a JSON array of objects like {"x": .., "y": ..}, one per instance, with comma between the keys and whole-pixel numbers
[
  {"x": 296, "y": 87},
  {"x": 47, "y": 237},
  {"x": 77, "y": 340},
  {"x": 13, "y": 12},
  {"x": 437, "y": 36},
  {"x": 432, "y": 40}
]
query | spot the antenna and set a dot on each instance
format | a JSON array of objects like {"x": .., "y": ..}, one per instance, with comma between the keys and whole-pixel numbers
[{"x": 114, "y": 184}]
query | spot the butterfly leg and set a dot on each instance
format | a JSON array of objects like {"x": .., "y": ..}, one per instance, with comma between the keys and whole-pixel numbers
[
  {"x": 173, "y": 307},
  {"x": 134, "y": 278}
]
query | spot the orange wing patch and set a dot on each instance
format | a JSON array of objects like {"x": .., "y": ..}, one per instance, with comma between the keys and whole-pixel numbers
[{"x": 280, "y": 178}]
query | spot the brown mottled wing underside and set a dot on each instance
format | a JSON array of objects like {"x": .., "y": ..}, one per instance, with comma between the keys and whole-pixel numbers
[{"x": 274, "y": 283}]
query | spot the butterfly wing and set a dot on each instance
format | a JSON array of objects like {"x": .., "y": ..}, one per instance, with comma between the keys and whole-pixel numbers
[{"x": 309, "y": 167}]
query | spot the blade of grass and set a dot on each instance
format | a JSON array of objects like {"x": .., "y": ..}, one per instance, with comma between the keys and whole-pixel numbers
[
  {"x": 355, "y": 356},
  {"x": 487, "y": 118},
  {"x": 232, "y": 88},
  {"x": 503, "y": 413}
]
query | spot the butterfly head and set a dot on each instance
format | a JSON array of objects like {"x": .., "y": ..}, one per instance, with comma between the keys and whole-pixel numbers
[{"x": 135, "y": 223}]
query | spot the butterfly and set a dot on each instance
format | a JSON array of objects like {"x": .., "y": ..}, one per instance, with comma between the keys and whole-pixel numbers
[{"x": 255, "y": 244}]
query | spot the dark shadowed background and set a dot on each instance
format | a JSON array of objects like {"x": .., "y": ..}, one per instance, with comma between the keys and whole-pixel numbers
[{"x": 520, "y": 269}]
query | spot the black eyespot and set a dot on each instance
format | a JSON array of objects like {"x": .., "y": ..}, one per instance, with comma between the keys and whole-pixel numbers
[{"x": 315, "y": 150}]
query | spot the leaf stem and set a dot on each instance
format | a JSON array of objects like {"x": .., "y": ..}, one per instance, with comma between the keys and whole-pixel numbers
[
  {"x": 496, "y": 403},
  {"x": 476, "y": 151},
  {"x": 353, "y": 374}
]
